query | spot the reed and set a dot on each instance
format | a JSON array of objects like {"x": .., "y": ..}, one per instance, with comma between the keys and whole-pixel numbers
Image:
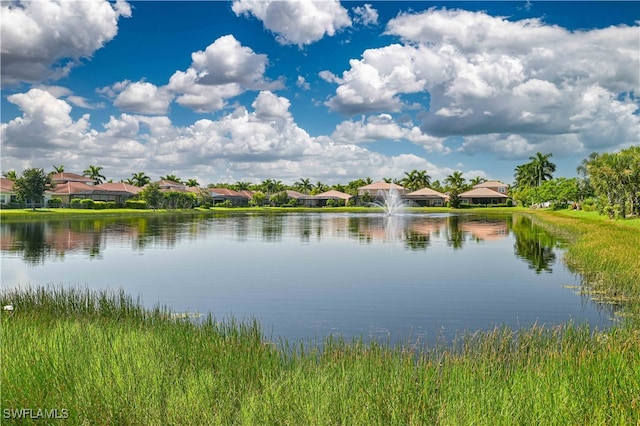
[{"x": 106, "y": 360}]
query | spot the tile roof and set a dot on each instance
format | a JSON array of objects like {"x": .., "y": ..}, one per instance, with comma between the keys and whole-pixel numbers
[
  {"x": 225, "y": 192},
  {"x": 490, "y": 184},
  {"x": 333, "y": 194},
  {"x": 381, "y": 185},
  {"x": 482, "y": 193},
  {"x": 426, "y": 192},
  {"x": 6, "y": 185},
  {"x": 69, "y": 177},
  {"x": 120, "y": 187},
  {"x": 71, "y": 188}
]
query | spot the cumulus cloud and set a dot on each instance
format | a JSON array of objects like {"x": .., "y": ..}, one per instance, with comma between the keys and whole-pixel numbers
[
  {"x": 487, "y": 75},
  {"x": 297, "y": 22},
  {"x": 256, "y": 144},
  {"x": 384, "y": 127},
  {"x": 142, "y": 97},
  {"x": 224, "y": 70},
  {"x": 365, "y": 15},
  {"x": 44, "y": 40}
]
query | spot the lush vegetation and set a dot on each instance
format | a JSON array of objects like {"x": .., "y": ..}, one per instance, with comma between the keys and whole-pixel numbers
[
  {"x": 106, "y": 360},
  {"x": 30, "y": 187}
]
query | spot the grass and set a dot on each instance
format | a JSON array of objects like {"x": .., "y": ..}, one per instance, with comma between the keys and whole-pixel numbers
[{"x": 107, "y": 360}]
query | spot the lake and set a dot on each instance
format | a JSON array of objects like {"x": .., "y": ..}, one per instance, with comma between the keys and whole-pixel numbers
[{"x": 412, "y": 277}]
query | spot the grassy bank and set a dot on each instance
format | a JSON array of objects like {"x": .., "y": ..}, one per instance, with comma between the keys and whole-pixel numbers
[{"x": 106, "y": 360}]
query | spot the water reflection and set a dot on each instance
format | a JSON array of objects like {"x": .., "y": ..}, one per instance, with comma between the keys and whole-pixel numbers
[
  {"x": 310, "y": 274},
  {"x": 39, "y": 241}
]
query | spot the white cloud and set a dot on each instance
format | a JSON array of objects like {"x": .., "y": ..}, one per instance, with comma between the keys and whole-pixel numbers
[
  {"x": 142, "y": 97},
  {"x": 44, "y": 39},
  {"x": 384, "y": 127},
  {"x": 487, "y": 75},
  {"x": 242, "y": 145},
  {"x": 298, "y": 22},
  {"x": 365, "y": 15},
  {"x": 302, "y": 83},
  {"x": 224, "y": 70}
]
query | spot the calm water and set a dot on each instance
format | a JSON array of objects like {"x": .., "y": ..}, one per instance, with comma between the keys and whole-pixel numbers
[{"x": 304, "y": 276}]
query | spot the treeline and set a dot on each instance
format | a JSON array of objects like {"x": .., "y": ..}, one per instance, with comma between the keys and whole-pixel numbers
[{"x": 607, "y": 182}]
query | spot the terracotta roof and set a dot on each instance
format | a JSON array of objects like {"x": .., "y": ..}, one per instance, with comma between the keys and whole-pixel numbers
[
  {"x": 170, "y": 185},
  {"x": 69, "y": 177},
  {"x": 120, "y": 187},
  {"x": 482, "y": 193},
  {"x": 381, "y": 185},
  {"x": 6, "y": 185},
  {"x": 225, "y": 192},
  {"x": 246, "y": 193},
  {"x": 71, "y": 188},
  {"x": 294, "y": 194},
  {"x": 426, "y": 193},
  {"x": 491, "y": 184},
  {"x": 333, "y": 194}
]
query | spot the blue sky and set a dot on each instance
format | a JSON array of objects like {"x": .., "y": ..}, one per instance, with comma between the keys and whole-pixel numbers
[{"x": 332, "y": 91}]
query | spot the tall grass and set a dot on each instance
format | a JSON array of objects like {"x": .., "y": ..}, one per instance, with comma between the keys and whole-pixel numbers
[{"x": 106, "y": 360}]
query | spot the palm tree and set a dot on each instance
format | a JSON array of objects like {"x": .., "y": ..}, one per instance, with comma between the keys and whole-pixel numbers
[
  {"x": 93, "y": 172},
  {"x": 455, "y": 185},
  {"x": 58, "y": 169},
  {"x": 525, "y": 176},
  {"x": 11, "y": 175},
  {"x": 541, "y": 167},
  {"x": 192, "y": 183},
  {"x": 172, "y": 178},
  {"x": 305, "y": 185},
  {"x": 477, "y": 181},
  {"x": 140, "y": 179},
  {"x": 416, "y": 179},
  {"x": 242, "y": 186}
]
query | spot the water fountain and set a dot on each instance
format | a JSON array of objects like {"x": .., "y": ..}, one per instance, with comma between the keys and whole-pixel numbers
[{"x": 391, "y": 203}]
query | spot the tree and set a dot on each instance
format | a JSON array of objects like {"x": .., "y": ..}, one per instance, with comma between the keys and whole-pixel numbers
[
  {"x": 242, "y": 186},
  {"x": 93, "y": 172},
  {"x": 140, "y": 179},
  {"x": 11, "y": 175},
  {"x": 172, "y": 178},
  {"x": 477, "y": 181},
  {"x": 192, "y": 183},
  {"x": 32, "y": 185},
  {"x": 58, "y": 169},
  {"x": 416, "y": 179},
  {"x": 305, "y": 186},
  {"x": 455, "y": 185},
  {"x": 152, "y": 195},
  {"x": 541, "y": 167}
]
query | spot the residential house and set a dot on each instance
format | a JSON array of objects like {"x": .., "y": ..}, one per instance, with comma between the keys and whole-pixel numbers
[
  {"x": 483, "y": 196},
  {"x": 7, "y": 195},
  {"x": 118, "y": 192},
  {"x": 169, "y": 185},
  {"x": 427, "y": 197},
  {"x": 220, "y": 195},
  {"x": 320, "y": 200}
]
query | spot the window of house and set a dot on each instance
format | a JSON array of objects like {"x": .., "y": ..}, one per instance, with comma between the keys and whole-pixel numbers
[{"x": 502, "y": 189}]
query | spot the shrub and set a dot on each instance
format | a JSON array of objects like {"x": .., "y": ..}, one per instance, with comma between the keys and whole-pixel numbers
[
  {"x": 136, "y": 204},
  {"x": 225, "y": 203},
  {"x": 87, "y": 203},
  {"x": 509, "y": 202},
  {"x": 55, "y": 202},
  {"x": 331, "y": 202},
  {"x": 100, "y": 205},
  {"x": 76, "y": 203}
]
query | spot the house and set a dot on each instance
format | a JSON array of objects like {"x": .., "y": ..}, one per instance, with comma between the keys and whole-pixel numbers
[
  {"x": 220, "y": 195},
  {"x": 118, "y": 192},
  {"x": 320, "y": 200},
  {"x": 482, "y": 196},
  {"x": 427, "y": 197},
  {"x": 380, "y": 190},
  {"x": 7, "y": 195}
]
